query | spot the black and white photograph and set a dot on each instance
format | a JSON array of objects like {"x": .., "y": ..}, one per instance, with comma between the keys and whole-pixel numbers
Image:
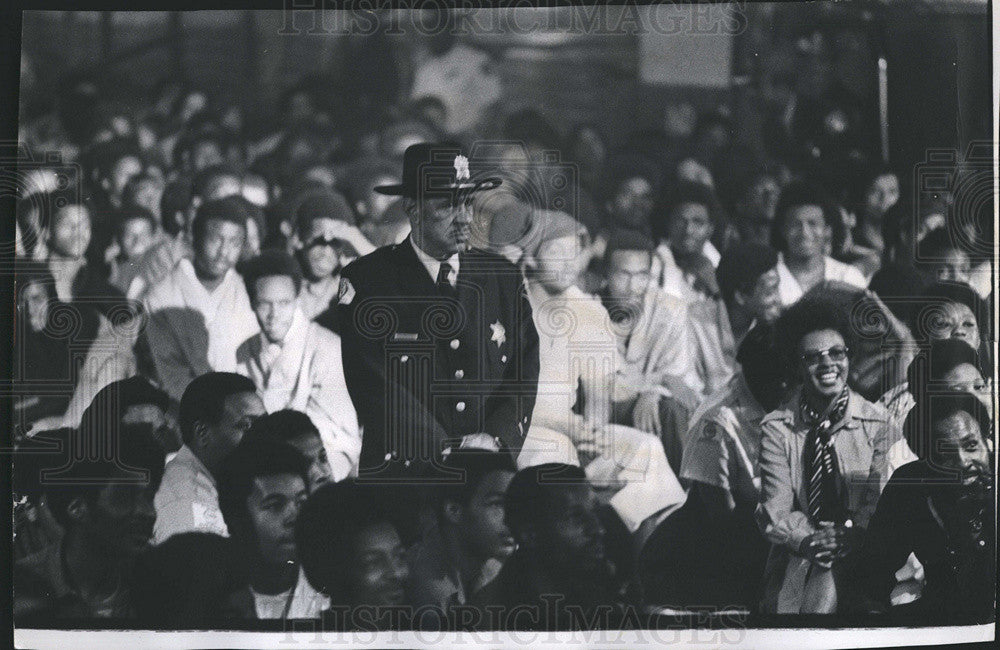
[{"x": 437, "y": 324}]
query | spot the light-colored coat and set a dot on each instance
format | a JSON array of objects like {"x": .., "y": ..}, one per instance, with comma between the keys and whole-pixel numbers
[
  {"x": 192, "y": 331},
  {"x": 307, "y": 375}
]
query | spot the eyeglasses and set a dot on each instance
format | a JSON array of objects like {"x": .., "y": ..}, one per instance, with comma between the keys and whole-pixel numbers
[{"x": 836, "y": 354}]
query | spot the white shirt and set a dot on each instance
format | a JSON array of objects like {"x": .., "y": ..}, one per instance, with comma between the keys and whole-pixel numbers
[
  {"x": 433, "y": 266},
  {"x": 306, "y": 602},
  {"x": 791, "y": 291},
  {"x": 192, "y": 330},
  {"x": 671, "y": 278},
  {"x": 187, "y": 500}
]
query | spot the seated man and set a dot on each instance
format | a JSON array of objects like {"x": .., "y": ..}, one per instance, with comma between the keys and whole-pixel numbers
[
  {"x": 553, "y": 513},
  {"x": 294, "y": 428},
  {"x": 656, "y": 383},
  {"x": 940, "y": 508},
  {"x": 216, "y": 410},
  {"x": 684, "y": 267},
  {"x": 106, "y": 510},
  {"x": 261, "y": 489},
  {"x": 748, "y": 280},
  {"x": 467, "y": 547},
  {"x": 351, "y": 550},
  {"x": 578, "y": 354},
  {"x": 200, "y": 313},
  {"x": 296, "y": 364},
  {"x": 721, "y": 470}
]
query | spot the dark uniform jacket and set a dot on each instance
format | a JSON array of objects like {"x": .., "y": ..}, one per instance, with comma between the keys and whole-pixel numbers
[{"x": 425, "y": 368}]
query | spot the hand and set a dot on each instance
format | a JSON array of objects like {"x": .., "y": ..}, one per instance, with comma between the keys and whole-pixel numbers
[
  {"x": 646, "y": 413},
  {"x": 480, "y": 441},
  {"x": 351, "y": 234},
  {"x": 586, "y": 441},
  {"x": 821, "y": 547},
  {"x": 47, "y": 423}
]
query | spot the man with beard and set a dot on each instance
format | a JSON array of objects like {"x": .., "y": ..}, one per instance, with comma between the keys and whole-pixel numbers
[
  {"x": 106, "y": 509},
  {"x": 560, "y": 576},
  {"x": 941, "y": 509},
  {"x": 438, "y": 339},
  {"x": 656, "y": 382}
]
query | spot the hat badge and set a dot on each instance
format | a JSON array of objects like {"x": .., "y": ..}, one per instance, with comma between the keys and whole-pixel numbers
[{"x": 461, "y": 168}]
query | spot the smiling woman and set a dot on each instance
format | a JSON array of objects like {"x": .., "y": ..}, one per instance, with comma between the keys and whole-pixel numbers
[{"x": 823, "y": 463}]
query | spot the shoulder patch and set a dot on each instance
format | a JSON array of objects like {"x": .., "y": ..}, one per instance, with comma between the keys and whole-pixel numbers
[{"x": 346, "y": 292}]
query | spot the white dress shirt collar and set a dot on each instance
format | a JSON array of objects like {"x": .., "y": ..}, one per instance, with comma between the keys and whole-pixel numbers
[{"x": 433, "y": 266}]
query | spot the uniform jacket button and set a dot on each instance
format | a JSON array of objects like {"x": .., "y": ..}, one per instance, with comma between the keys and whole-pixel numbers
[
  {"x": 459, "y": 373},
  {"x": 460, "y": 407},
  {"x": 404, "y": 359},
  {"x": 454, "y": 344}
]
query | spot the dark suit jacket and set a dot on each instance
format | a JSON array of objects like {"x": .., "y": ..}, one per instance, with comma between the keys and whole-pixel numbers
[{"x": 424, "y": 369}]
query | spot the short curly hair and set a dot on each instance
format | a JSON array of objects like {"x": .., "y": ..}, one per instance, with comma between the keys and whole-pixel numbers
[
  {"x": 812, "y": 313},
  {"x": 805, "y": 193}
]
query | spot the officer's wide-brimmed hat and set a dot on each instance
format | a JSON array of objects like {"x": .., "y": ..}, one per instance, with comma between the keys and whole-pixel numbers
[{"x": 433, "y": 170}]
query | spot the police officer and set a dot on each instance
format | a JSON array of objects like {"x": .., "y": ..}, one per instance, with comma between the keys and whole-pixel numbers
[{"x": 438, "y": 342}]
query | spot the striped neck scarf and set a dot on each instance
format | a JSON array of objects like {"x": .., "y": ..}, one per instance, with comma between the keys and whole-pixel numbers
[{"x": 822, "y": 477}]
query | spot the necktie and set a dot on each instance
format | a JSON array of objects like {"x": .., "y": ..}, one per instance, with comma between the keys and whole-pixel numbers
[{"x": 443, "y": 285}]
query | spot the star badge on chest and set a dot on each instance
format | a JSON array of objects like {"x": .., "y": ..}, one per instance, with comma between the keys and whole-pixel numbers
[{"x": 499, "y": 333}]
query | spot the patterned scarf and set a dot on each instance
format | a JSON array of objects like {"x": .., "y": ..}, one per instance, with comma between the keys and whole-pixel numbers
[{"x": 822, "y": 484}]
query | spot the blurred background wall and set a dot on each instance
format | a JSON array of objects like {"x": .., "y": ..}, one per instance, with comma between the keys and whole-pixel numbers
[{"x": 618, "y": 67}]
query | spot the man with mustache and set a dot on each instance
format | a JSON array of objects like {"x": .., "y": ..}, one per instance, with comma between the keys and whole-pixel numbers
[
  {"x": 438, "y": 340},
  {"x": 561, "y": 556},
  {"x": 105, "y": 507},
  {"x": 941, "y": 509}
]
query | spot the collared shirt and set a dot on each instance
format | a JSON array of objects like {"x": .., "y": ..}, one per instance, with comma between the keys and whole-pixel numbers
[
  {"x": 860, "y": 440},
  {"x": 658, "y": 351},
  {"x": 433, "y": 266},
  {"x": 316, "y": 297},
  {"x": 305, "y": 603},
  {"x": 671, "y": 278},
  {"x": 723, "y": 445},
  {"x": 305, "y": 372},
  {"x": 191, "y": 330},
  {"x": 790, "y": 289},
  {"x": 188, "y": 500}
]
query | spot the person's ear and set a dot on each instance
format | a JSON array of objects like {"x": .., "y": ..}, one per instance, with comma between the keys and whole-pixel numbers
[
  {"x": 286, "y": 229},
  {"x": 202, "y": 435},
  {"x": 529, "y": 261},
  {"x": 739, "y": 298},
  {"x": 77, "y": 509},
  {"x": 410, "y": 206},
  {"x": 361, "y": 207},
  {"x": 452, "y": 511}
]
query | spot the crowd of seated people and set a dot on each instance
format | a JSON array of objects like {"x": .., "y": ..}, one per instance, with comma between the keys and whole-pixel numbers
[{"x": 769, "y": 393}]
